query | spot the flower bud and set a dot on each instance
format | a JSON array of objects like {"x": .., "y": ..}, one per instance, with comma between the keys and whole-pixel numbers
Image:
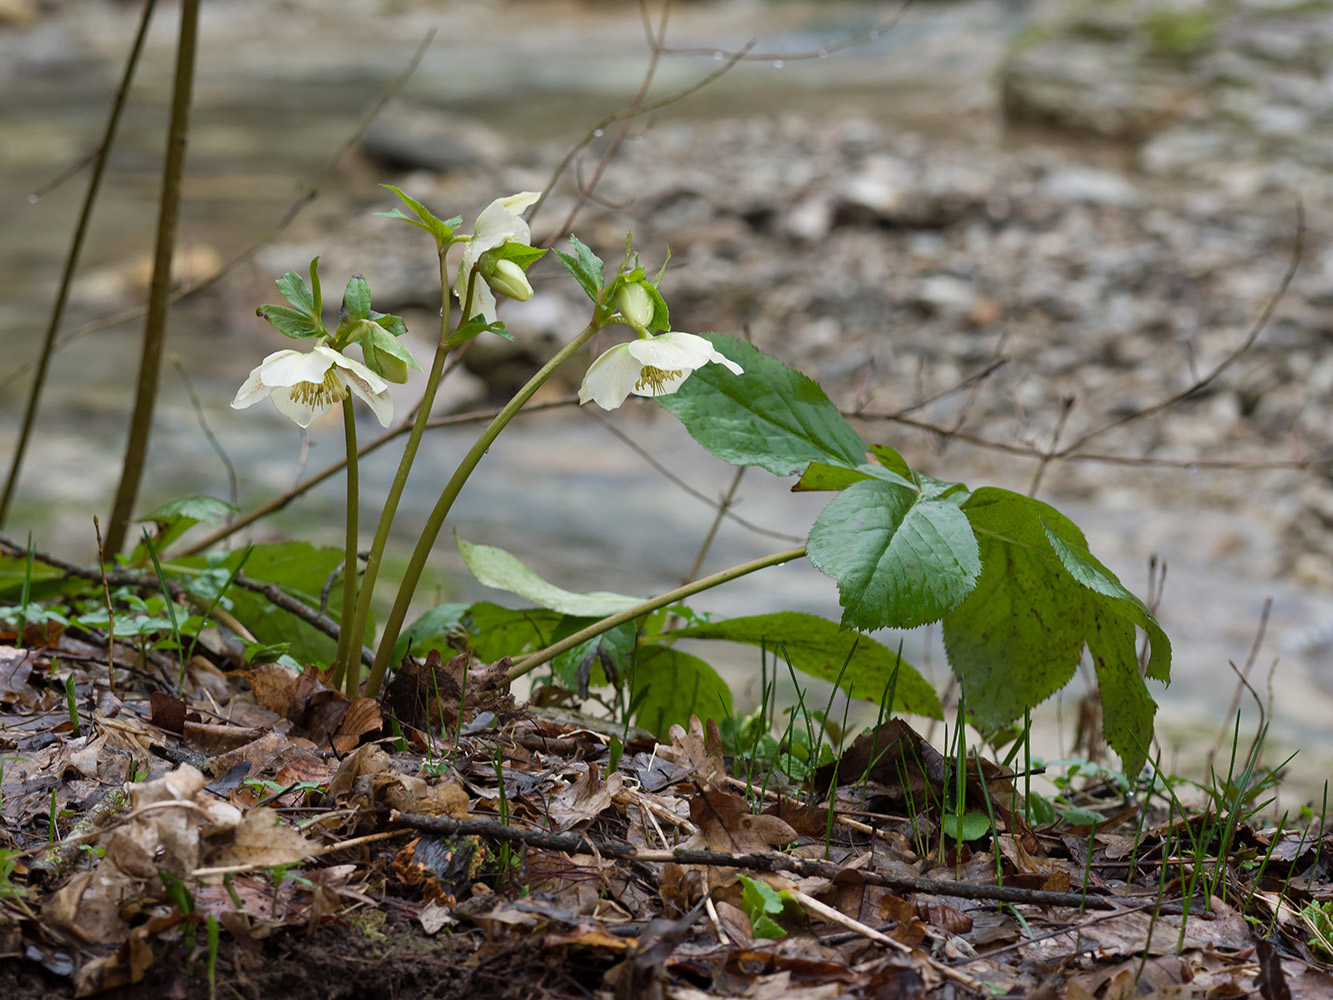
[
  {"x": 506, "y": 278},
  {"x": 636, "y": 305},
  {"x": 382, "y": 350}
]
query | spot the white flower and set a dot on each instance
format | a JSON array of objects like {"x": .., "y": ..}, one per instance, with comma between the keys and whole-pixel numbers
[
  {"x": 498, "y": 223},
  {"x": 305, "y": 386},
  {"x": 649, "y": 366}
]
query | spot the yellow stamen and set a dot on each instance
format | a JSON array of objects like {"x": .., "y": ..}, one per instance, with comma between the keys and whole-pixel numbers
[
  {"x": 656, "y": 378},
  {"x": 320, "y": 395}
]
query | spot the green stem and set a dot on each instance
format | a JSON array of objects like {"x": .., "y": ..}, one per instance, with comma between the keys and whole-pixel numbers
[
  {"x": 348, "y": 662},
  {"x": 530, "y": 663},
  {"x": 72, "y": 260},
  {"x": 412, "y": 576},
  {"x": 159, "y": 292},
  {"x": 361, "y": 616}
]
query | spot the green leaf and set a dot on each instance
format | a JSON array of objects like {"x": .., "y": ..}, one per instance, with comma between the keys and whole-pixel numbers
[
  {"x": 294, "y": 290},
  {"x": 179, "y": 516},
  {"x": 356, "y": 301},
  {"x": 771, "y": 416},
  {"x": 442, "y": 230},
  {"x": 900, "y": 559},
  {"x": 477, "y": 324},
  {"x": 520, "y": 253},
  {"x": 821, "y": 476},
  {"x": 669, "y": 686},
  {"x": 1018, "y": 637},
  {"x": 969, "y": 826},
  {"x": 497, "y": 568},
  {"x": 585, "y": 266},
  {"x": 290, "y": 322},
  {"x": 429, "y": 631},
  {"x": 818, "y": 647},
  {"x": 498, "y": 632},
  {"x": 585, "y": 664},
  {"x": 891, "y": 460}
]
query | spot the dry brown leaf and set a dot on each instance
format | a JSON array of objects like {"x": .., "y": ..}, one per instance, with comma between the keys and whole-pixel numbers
[
  {"x": 726, "y": 824},
  {"x": 262, "y": 839},
  {"x": 583, "y": 799},
  {"x": 699, "y": 750}
]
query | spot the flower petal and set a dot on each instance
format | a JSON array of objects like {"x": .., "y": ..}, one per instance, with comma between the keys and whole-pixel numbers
[
  {"x": 352, "y": 371},
  {"x": 670, "y": 351},
  {"x": 499, "y": 221},
  {"x": 289, "y": 368},
  {"x": 301, "y": 413},
  {"x": 610, "y": 378}
]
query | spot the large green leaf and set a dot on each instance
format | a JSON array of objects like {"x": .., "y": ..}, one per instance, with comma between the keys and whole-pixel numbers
[
  {"x": 901, "y": 559},
  {"x": 1018, "y": 637},
  {"x": 771, "y": 416},
  {"x": 820, "y": 648},
  {"x": 669, "y": 686},
  {"x": 497, "y": 568},
  {"x": 498, "y": 631},
  {"x": 587, "y": 663}
]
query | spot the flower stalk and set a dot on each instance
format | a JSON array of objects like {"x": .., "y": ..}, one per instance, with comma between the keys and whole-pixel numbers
[
  {"x": 530, "y": 663},
  {"x": 394, "y": 624},
  {"x": 361, "y": 615},
  {"x": 348, "y": 660}
]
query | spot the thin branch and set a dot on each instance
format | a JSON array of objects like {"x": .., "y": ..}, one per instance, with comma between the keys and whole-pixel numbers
[{"x": 575, "y": 843}]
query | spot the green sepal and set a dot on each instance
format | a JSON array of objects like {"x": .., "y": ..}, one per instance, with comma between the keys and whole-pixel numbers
[{"x": 291, "y": 323}]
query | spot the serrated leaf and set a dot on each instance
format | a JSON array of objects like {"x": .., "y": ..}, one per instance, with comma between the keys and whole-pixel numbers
[
  {"x": 1018, "y": 637},
  {"x": 900, "y": 559},
  {"x": 818, "y": 647},
  {"x": 497, "y": 568},
  {"x": 669, "y": 686},
  {"x": 290, "y": 322},
  {"x": 210, "y": 510},
  {"x": 442, "y": 230},
  {"x": 586, "y": 267},
  {"x": 294, "y": 290},
  {"x": 891, "y": 460},
  {"x": 771, "y": 416}
]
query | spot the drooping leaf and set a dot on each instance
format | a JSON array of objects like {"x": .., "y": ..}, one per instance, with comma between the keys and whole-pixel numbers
[
  {"x": 822, "y": 476},
  {"x": 901, "y": 559},
  {"x": 603, "y": 659},
  {"x": 668, "y": 686},
  {"x": 179, "y": 516},
  {"x": 818, "y": 647},
  {"x": 771, "y": 416},
  {"x": 497, "y": 568},
  {"x": 1018, "y": 636}
]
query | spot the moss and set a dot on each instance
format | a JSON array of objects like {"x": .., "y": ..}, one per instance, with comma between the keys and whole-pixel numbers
[{"x": 1180, "y": 34}]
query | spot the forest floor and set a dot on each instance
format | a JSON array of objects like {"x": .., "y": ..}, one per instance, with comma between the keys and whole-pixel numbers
[{"x": 263, "y": 836}]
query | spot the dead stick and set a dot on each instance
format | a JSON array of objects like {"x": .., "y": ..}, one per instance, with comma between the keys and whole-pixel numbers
[{"x": 572, "y": 843}]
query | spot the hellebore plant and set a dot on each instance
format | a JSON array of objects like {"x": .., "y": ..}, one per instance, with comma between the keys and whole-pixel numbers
[{"x": 1011, "y": 580}]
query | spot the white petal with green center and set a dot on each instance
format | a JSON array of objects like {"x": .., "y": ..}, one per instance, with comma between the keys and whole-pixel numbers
[{"x": 305, "y": 386}]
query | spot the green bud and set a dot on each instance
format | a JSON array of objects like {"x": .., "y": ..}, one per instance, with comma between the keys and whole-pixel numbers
[
  {"x": 506, "y": 278},
  {"x": 635, "y": 305},
  {"x": 385, "y": 356}
]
